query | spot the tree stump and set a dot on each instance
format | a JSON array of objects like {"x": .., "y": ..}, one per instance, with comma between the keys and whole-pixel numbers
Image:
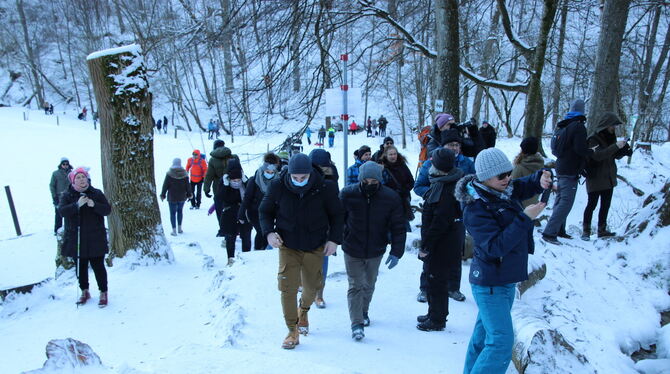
[
  {"x": 68, "y": 355},
  {"x": 126, "y": 136}
]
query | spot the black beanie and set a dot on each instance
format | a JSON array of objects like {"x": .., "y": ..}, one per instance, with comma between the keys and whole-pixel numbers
[
  {"x": 388, "y": 139},
  {"x": 299, "y": 164},
  {"x": 443, "y": 159},
  {"x": 449, "y": 136},
  {"x": 234, "y": 169},
  {"x": 529, "y": 145},
  {"x": 219, "y": 143}
]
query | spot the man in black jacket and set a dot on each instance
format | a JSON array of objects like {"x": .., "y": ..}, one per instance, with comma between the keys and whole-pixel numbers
[
  {"x": 302, "y": 216},
  {"x": 371, "y": 211},
  {"x": 568, "y": 168}
]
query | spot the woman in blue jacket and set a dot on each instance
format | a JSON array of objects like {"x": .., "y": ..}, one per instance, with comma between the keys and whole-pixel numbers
[{"x": 503, "y": 234}]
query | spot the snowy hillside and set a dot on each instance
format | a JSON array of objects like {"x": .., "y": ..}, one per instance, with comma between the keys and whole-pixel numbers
[{"x": 197, "y": 315}]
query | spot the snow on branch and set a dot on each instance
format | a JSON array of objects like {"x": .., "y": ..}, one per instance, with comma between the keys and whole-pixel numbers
[
  {"x": 526, "y": 50},
  {"x": 482, "y": 81},
  {"x": 369, "y": 9}
]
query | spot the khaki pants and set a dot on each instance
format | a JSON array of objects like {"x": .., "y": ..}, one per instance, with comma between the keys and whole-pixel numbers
[
  {"x": 362, "y": 274},
  {"x": 295, "y": 265}
]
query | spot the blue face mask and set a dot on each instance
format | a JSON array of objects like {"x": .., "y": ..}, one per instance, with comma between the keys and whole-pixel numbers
[
  {"x": 268, "y": 175},
  {"x": 300, "y": 184}
]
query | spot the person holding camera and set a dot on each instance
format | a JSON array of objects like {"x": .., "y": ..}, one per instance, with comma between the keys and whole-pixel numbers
[
  {"x": 85, "y": 238},
  {"x": 601, "y": 172},
  {"x": 471, "y": 143},
  {"x": 502, "y": 231}
]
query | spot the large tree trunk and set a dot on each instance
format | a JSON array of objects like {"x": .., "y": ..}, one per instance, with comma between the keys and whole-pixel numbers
[
  {"x": 534, "y": 121},
  {"x": 447, "y": 71},
  {"x": 126, "y": 138},
  {"x": 556, "y": 96},
  {"x": 606, "y": 76}
]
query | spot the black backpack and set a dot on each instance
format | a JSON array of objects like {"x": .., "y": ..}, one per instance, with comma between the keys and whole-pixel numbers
[{"x": 559, "y": 141}]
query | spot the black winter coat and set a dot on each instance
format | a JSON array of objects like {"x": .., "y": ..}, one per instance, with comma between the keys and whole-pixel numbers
[
  {"x": 573, "y": 160},
  {"x": 470, "y": 147},
  {"x": 253, "y": 195},
  {"x": 176, "y": 186},
  {"x": 601, "y": 169},
  {"x": 488, "y": 135},
  {"x": 230, "y": 200},
  {"x": 305, "y": 218},
  {"x": 368, "y": 221},
  {"x": 441, "y": 221},
  {"x": 85, "y": 226}
]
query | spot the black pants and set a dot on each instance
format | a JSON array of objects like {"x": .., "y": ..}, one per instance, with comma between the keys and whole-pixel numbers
[
  {"x": 453, "y": 273},
  {"x": 196, "y": 187},
  {"x": 260, "y": 240},
  {"x": 441, "y": 264},
  {"x": 98, "y": 265},
  {"x": 605, "y": 197},
  {"x": 59, "y": 221},
  {"x": 245, "y": 235}
]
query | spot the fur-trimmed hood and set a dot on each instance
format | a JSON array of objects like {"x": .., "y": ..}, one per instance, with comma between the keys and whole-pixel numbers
[
  {"x": 464, "y": 191},
  {"x": 177, "y": 173}
]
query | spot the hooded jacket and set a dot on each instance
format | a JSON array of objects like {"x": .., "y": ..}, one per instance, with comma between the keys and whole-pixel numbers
[
  {"x": 85, "y": 226},
  {"x": 502, "y": 233},
  {"x": 439, "y": 220},
  {"x": 601, "y": 169},
  {"x": 369, "y": 220},
  {"x": 573, "y": 160},
  {"x": 306, "y": 217},
  {"x": 59, "y": 183},
  {"x": 217, "y": 167},
  {"x": 230, "y": 199},
  {"x": 176, "y": 185},
  {"x": 528, "y": 164}
]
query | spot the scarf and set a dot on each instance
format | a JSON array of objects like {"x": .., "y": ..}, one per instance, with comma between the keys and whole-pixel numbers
[
  {"x": 438, "y": 179},
  {"x": 262, "y": 182},
  {"x": 502, "y": 195}
]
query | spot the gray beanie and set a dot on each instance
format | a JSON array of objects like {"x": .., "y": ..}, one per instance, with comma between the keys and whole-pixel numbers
[
  {"x": 491, "y": 162},
  {"x": 176, "y": 163},
  {"x": 64, "y": 159},
  {"x": 299, "y": 164},
  {"x": 370, "y": 169},
  {"x": 577, "y": 106}
]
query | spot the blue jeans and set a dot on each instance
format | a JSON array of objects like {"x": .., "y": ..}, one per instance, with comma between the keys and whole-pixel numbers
[
  {"x": 490, "y": 348},
  {"x": 330, "y": 142},
  {"x": 176, "y": 212}
]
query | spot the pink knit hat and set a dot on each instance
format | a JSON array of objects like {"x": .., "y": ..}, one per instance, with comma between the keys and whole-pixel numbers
[{"x": 79, "y": 170}]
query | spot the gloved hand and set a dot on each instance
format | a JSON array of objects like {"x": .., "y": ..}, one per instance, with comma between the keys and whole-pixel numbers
[
  {"x": 208, "y": 194},
  {"x": 391, "y": 261}
]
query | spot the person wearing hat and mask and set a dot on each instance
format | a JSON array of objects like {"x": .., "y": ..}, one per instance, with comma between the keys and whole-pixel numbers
[
  {"x": 321, "y": 158},
  {"x": 85, "y": 237},
  {"x": 569, "y": 166},
  {"x": 302, "y": 216},
  {"x": 217, "y": 167},
  {"x": 527, "y": 162},
  {"x": 256, "y": 188},
  {"x": 452, "y": 141},
  {"x": 388, "y": 141},
  {"x": 59, "y": 184},
  {"x": 178, "y": 190},
  {"x": 197, "y": 167},
  {"x": 502, "y": 231},
  {"x": 362, "y": 155},
  {"x": 371, "y": 211},
  {"x": 442, "y": 238},
  {"x": 229, "y": 197},
  {"x": 601, "y": 172}
]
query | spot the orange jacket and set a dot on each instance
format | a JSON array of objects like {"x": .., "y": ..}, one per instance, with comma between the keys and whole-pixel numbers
[{"x": 197, "y": 168}]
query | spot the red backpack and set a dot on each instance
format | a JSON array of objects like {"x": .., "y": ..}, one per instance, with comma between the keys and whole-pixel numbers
[{"x": 423, "y": 140}]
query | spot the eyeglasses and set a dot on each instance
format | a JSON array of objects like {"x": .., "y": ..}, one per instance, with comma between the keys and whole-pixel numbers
[{"x": 504, "y": 175}]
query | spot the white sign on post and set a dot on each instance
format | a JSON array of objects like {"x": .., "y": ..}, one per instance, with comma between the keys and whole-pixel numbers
[
  {"x": 439, "y": 106},
  {"x": 334, "y": 104}
]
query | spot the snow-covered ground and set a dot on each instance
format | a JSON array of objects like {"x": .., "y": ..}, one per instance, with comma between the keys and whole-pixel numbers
[{"x": 197, "y": 315}]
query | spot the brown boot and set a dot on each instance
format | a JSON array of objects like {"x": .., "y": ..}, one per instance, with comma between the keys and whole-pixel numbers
[
  {"x": 303, "y": 321},
  {"x": 85, "y": 295},
  {"x": 320, "y": 303},
  {"x": 292, "y": 339}
]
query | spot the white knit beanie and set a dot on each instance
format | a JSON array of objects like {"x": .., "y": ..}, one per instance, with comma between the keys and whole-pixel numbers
[{"x": 491, "y": 162}]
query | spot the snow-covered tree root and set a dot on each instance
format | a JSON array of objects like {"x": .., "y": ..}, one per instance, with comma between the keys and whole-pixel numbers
[
  {"x": 227, "y": 314},
  {"x": 67, "y": 355}
]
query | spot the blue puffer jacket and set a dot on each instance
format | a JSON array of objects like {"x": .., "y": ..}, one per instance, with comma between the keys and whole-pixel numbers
[
  {"x": 352, "y": 172},
  {"x": 502, "y": 233},
  {"x": 423, "y": 183}
]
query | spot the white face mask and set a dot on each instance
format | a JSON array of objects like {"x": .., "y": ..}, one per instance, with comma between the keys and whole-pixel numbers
[{"x": 235, "y": 184}]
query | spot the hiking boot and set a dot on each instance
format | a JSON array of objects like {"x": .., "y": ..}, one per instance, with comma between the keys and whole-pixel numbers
[
  {"x": 550, "y": 239},
  {"x": 366, "y": 320},
  {"x": 179, "y": 230},
  {"x": 426, "y": 317},
  {"x": 303, "y": 321},
  {"x": 231, "y": 261},
  {"x": 430, "y": 325},
  {"x": 103, "y": 300},
  {"x": 564, "y": 235},
  {"x": 586, "y": 235},
  {"x": 457, "y": 295},
  {"x": 357, "y": 332},
  {"x": 292, "y": 339},
  {"x": 174, "y": 232},
  {"x": 422, "y": 297},
  {"x": 605, "y": 234},
  {"x": 85, "y": 295},
  {"x": 320, "y": 303}
]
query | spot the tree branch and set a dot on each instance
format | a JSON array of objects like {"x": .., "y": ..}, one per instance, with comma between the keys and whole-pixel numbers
[
  {"x": 486, "y": 82},
  {"x": 525, "y": 50}
]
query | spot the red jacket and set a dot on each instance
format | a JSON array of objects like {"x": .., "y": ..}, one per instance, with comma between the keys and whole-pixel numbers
[{"x": 197, "y": 168}]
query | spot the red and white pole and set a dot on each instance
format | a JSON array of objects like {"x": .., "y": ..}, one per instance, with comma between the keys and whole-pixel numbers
[{"x": 345, "y": 115}]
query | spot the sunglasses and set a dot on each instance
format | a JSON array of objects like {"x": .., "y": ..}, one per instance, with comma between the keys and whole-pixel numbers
[
  {"x": 65, "y": 164},
  {"x": 504, "y": 175}
]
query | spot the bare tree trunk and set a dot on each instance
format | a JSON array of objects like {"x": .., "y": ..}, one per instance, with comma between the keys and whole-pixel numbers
[
  {"x": 556, "y": 96},
  {"x": 32, "y": 62},
  {"x": 295, "y": 44},
  {"x": 203, "y": 77},
  {"x": 447, "y": 71},
  {"x": 606, "y": 75},
  {"x": 227, "y": 46},
  {"x": 126, "y": 137}
]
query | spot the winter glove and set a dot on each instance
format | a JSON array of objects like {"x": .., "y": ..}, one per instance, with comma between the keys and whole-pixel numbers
[
  {"x": 391, "y": 261},
  {"x": 208, "y": 194},
  {"x": 162, "y": 198}
]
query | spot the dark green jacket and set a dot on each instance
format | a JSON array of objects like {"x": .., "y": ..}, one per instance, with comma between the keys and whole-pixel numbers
[
  {"x": 527, "y": 165},
  {"x": 601, "y": 169},
  {"x": 217, "y": 167},
  {"x": 59, "y": 183}
]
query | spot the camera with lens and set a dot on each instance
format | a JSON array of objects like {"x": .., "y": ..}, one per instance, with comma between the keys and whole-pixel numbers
[{"x": 464, "y": 125}]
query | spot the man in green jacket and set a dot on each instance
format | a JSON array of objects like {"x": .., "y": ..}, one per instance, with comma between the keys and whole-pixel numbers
[{"x": 59, "y": 183}]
